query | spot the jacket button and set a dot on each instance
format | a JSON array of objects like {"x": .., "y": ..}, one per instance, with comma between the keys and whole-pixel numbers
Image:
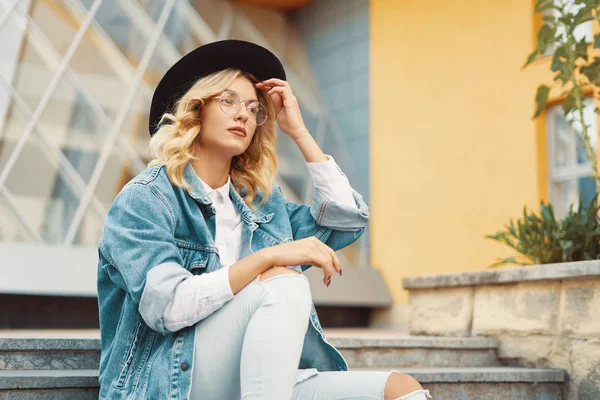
[{"x": 185, "y": 366}]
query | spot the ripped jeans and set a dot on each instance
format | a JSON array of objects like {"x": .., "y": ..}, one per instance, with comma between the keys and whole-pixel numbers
[{"x": 250, "y": 349}]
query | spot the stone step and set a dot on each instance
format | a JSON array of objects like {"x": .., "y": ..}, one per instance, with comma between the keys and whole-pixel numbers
[
  {"x": 49, "y": 384},
  {"x": 386, "y": 350},
  {"x": 20, "y": 353},
  {"x": 443, "y": 383},
  {"x": 501, "y": 383},
  {"x": 361, "y": 348}
]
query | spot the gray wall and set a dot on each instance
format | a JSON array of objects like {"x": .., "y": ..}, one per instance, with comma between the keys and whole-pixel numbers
[{"x": 336, "y": 35}]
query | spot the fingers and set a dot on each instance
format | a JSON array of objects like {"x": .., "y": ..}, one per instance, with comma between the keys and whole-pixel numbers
[
  {"x": 335, "y": 262},
  {"x": 326, "y": 259},
  {"x": 285, "y": 93},
  {"x": 277, "y": 89},
  {"x": 273, "y": 82},
  {"x": 323, "y": 260},
  {"x": 276, "y": 86}
]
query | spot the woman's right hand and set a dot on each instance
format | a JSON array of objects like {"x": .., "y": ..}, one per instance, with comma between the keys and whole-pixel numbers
[{"x": 305, "y": 251}]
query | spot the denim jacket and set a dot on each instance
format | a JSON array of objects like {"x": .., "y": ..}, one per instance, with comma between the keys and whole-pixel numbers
[{"x": 156, "y": 235}]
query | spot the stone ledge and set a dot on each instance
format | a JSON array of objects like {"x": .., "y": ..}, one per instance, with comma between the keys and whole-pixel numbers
[
  {"x": 558, "y": 271},
  {"x": 481, "y": 374},
  {"x": 41, "y": 379},
  {"x": 415, "y": 342},
  {"x": 405, "y": 341},
  {"x": 44, "y": 344}
]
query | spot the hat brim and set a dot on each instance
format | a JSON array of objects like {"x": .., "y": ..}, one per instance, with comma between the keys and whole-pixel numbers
[{"x": 205, "y": 60}]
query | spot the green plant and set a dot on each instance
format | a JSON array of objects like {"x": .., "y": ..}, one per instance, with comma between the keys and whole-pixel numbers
[
  {"x": 570, "y": 60},
  {"x": 542, "y": 239}
]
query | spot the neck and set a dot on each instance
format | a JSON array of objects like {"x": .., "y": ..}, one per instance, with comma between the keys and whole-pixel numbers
[{"x": 212, "y": 167}]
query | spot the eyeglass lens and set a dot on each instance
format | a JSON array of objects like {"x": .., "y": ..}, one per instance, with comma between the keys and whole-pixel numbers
[{"x": 230, "y": 105}]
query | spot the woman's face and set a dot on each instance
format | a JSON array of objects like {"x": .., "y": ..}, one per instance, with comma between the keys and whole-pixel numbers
[{"x": 217, "y": 130}]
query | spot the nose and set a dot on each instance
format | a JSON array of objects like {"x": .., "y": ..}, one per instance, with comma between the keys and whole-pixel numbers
[{"x": 242, "y": 114}]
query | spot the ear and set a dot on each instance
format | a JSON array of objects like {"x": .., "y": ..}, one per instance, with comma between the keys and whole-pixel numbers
[{"x": 195, "y": 105}]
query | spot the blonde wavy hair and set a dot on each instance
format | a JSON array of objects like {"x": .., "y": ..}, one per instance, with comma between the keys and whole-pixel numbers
[{"x": 173, "y": 143}]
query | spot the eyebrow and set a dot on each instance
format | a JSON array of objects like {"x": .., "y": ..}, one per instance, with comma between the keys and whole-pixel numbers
[{"x": 231, "y": 90}]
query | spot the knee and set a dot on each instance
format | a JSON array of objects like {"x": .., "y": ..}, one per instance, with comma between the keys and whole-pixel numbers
[
  {"x": 287, "y": 286},
  {"x": 276, "y": 271},
  {"x": 399, "y": 384}
]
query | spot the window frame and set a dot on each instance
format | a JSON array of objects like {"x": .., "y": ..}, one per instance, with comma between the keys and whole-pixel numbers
[{"x": 557, "y": 176}]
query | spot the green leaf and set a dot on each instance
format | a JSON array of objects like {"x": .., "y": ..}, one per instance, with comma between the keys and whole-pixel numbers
[
  {"x": 583, "y": 15},
  {"x": 531, "y": 58},
  {"x": 544, "y": 5},
  {"x": 541, "y": 99},
  {"x": 565, "y": 73},
  {"x": 559, "y": 58},
  {"x": 571, "y": 102},
  {"x": 597, "y": 41},
  {"x": 547, "y": 213},
  {"x": 545, "y": 37},
  {"x": 502, "y": 261},
  {"x": 592, "y": 71},
  {"x": 581, "y": 50}
]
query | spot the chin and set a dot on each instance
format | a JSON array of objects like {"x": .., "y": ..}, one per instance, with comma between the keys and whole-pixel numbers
[
  {"x": 239, "y": 152},
  {"x": 235, "y": 150}
]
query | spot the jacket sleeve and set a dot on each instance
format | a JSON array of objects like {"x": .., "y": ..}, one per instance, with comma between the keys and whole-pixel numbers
[
  {"x": 138, "y": 241},
  {"x": 329, "y": 178},
  {"x": 335, "y": 224},
  {"x": 198, "y": 297}
]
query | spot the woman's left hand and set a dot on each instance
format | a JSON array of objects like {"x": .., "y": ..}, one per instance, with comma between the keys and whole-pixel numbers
[{"x": 287, "y": 111}]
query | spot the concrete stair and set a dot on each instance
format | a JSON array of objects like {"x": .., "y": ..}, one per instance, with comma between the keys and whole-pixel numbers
[
  {"x": 63, "y": 365},
  {"x": 373, "y": 349},
  {"x": 78, "y": 384},
  {"x": 49, "y": 353},
  {"x": 451, "y": 368}
]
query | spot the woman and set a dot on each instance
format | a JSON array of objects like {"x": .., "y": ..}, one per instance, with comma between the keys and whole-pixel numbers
[{"x": 200, "y": 283}]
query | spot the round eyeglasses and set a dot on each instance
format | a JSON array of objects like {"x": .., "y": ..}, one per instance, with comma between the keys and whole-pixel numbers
[{"x": 229, "y": 101}]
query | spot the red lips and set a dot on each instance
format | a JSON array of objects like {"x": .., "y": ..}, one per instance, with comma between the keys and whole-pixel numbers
[{"x": 238, "y": 130}]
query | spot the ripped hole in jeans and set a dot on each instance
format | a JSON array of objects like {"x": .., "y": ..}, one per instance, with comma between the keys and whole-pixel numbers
[{"x": 277, "y": 272}]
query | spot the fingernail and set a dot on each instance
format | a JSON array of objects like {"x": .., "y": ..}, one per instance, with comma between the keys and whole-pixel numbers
[{"x": 340, "y": 272}]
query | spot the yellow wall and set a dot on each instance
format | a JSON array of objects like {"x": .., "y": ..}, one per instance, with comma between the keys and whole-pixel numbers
[{"x": 454, "y": 151}]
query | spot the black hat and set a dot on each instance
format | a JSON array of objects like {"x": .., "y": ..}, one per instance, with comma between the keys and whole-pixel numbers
[{"x": 205, "y": 60}]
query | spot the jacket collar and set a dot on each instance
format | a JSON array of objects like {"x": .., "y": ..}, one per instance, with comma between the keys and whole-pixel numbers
[
  {"x": 223, "y": 190},
  {"x": 199, "y": 194}
]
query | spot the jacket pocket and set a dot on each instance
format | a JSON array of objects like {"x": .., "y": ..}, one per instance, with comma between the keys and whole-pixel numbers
[
  {"x": 140, "y": 343},
  {"x": 194, "y": 257}
]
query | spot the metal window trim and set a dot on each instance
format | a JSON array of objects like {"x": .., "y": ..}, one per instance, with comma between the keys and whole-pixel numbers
[
  {"x": 8, "y": 12},
  {"x": 116, "y": 126},
  {"x": 47, "y": 94},
  {"x": 53, "y": 58},
  {"x": 110, "y": 52},
  {"x": 145, "y": 24},
  {"x": 18, "y": 213},
  {"x": 197, "y": 25},
  {"x": 570, "y": 173},
  {"x": 73, "y": 177}
]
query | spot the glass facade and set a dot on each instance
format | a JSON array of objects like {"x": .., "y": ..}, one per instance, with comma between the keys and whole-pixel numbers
[{"x": 76, "y": 80}]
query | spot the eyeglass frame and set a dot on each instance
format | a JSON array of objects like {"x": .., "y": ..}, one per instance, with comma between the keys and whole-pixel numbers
[{"x": 239, "y": 103}]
